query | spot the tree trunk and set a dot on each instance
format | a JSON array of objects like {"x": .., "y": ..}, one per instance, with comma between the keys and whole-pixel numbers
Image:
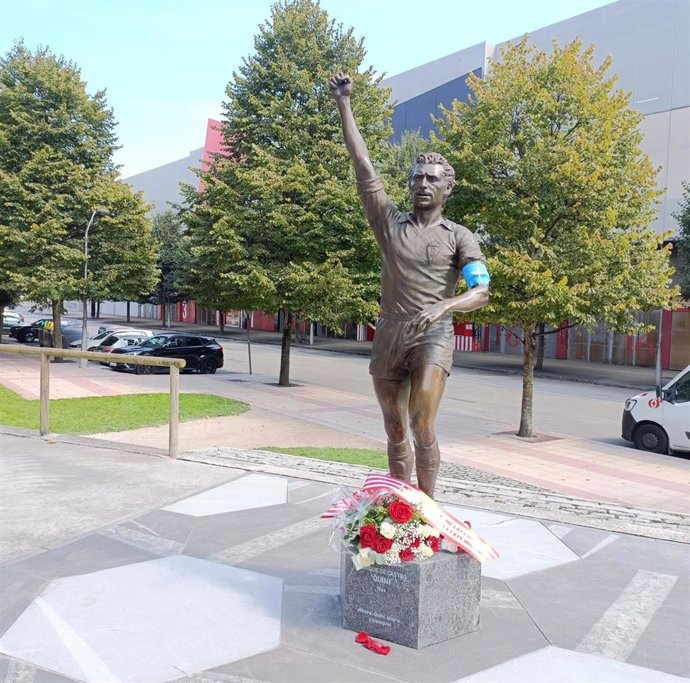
[
  {"x": 284, "y": 380},
  {"x": 527, "y": 383},
  {"x": 93, "y": 308},
  {"x": 221, "y": 322},
  {"x": 129, "y": 320},
  {"x": 2, "y": 316},
  {"x": 541, "y": 345},
  {"x": 57, "y": 326},
  {"x": 98, "y": 310}
]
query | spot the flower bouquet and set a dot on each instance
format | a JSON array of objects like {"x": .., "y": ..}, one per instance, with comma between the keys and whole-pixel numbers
[
  {"x": 389, "y": 531},
  {"x": 390, "y": 521}
]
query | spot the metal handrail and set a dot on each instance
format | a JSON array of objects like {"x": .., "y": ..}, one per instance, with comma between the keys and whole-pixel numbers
[{"x": 44, "y": 394}]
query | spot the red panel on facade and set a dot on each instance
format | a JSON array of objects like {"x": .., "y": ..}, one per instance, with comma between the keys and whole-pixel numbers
[{"x": 212, "y": 146}]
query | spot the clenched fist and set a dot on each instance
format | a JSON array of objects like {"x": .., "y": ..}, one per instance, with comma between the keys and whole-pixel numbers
[{"x": 341, "y": 85}]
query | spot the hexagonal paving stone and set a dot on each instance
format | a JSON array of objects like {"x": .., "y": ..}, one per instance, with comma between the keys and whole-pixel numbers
[
  {"x": 152, "y": 621},
  {"x": 245, "y": 493},
  {"x": 525, "y": 546},
  {"x": 555, "y": 664}
]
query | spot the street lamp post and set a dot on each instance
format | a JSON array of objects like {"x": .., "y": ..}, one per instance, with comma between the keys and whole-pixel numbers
[{"x": 97, "y": 212}]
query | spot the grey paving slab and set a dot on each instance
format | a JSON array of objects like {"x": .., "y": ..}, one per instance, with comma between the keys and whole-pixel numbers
[
  {"x": 17, "y": 590},
  {"x": 180, "y": 562},
  {"x": 607, "y": 602},
  {"x": 297, "y": 556},
  {"x": 663, "y": 648},
  {"x": 168, "y": 525},
  {"x": 88, "y": 554},
  {"x": 289, "y": 665},
  {"x": 222, "y": 533},
  {"x": 16, "y": 671},
  {"x": 312, "y": 622},
  {"x": 58, "y": 490},
  {"x": 581, "y": 540}
]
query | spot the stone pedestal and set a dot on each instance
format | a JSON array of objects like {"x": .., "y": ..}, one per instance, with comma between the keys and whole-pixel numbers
[{"x": 415, "y": 604}]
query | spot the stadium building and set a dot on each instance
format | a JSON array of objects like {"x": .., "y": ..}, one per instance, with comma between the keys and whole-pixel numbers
[{"x": 648, "y": 42}]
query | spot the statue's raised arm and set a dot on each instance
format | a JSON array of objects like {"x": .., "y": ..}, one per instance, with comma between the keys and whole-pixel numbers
[{"x": 341, "y": 88}]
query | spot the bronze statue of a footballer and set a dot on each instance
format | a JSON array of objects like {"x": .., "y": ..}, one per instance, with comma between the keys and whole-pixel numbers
[{"x": 422, "y": 256}]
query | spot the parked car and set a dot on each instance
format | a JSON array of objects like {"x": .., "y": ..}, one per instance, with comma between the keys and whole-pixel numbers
[
  {"x": 114, "y": 327},
  {"x": 203, "y": 354},
  {"x": 660, "y": 421},
  {"x": 98, "y": 338},
  {"x": 11, "y": 319},
  {"x": 118, "y": 341},
  {"x": 29, "y": 333}
]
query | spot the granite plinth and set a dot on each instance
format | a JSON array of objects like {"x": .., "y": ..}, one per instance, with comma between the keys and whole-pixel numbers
[{"x": 415, "y": 604}]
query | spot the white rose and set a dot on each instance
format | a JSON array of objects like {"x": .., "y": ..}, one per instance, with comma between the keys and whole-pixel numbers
[
  {"x": 427, "y": 531},
  {"x": 434, "y": 532},
  {"x": 362, "y": 559},
  {"x": 387, "y": 530},
  {"x": 425, "y": 550}
]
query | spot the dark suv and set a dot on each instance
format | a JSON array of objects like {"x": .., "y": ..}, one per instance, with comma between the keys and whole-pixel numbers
[{"x": 203, "y": 354}]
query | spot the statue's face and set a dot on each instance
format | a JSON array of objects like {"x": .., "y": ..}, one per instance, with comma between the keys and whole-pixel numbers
[{"x": 428, "y": 186}]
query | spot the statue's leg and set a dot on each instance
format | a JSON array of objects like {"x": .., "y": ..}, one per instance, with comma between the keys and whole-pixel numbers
[
  {"x": 393, "y": 397},
  {"x": 427, "y": 385}
]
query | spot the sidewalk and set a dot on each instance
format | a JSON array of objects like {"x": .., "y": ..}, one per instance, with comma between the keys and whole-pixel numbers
[
  {"x": 122, "y": 566},
  {"x": 576, "y": 371}
]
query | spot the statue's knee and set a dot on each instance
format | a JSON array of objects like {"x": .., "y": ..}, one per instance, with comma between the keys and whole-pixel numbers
[
  {"x": 395, "y": 431},
  {"x": 423, "y": 433}
]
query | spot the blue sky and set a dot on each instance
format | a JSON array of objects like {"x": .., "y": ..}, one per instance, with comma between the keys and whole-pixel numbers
[{"x": 165, "y": 63}]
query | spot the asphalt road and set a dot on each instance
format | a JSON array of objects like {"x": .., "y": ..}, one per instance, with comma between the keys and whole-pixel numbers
[{"x": 475, "y": 402}]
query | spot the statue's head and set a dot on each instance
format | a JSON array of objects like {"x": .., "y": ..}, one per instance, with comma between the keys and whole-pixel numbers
[{"x": 430, "y": 180}]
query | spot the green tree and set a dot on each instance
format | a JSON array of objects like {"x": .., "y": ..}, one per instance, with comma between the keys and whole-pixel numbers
[
  {"x": 683, "y": 242},
  {"x": 399, "y": 163},
  {"x": 8, "y": 297},
  {"x": 279, "y": 222},
  {"x": 173, "y": 259},
  {"x": 56, "y": 166},
  {"x": 553, "y": 180}
]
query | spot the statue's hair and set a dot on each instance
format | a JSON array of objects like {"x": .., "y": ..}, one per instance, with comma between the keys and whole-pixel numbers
[{"x": 435, "y": 158}]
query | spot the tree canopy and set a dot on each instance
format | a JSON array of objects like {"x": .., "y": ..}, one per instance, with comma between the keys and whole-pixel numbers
[
  {"x": 553, "y": 180},
  {"x": 279, "y": 223},
  {"x": 173, "y": 261},
  {"x": 56, "y": 167},
  {"x": 683, "y": 242}
]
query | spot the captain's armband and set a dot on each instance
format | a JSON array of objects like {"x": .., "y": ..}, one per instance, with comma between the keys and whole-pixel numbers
[{"x": 475, "y": 274}]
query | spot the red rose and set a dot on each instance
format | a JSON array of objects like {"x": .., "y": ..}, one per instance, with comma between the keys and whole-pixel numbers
[
  {"x": 434, "y": 543},
  {"x": 367, "y": 534},
  {"x": 407, "y": 555},
  {"x": 415, "y": 543},
  {"x": 381, "y": 544},
  {"x": 400, "y": 512}
]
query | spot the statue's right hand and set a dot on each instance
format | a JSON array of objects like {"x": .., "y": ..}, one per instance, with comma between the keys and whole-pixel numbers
[{"x": 341, "y": 85}]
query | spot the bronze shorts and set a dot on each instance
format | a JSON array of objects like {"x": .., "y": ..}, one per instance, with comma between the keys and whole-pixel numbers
[{"x": 397, "y": 351}]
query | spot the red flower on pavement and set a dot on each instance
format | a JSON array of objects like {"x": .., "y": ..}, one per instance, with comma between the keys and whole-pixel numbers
[
  {"x": 400, "y": 512},
  {"x": 367, "y": 535},
  {"x": 434, "y": 543},
  {"x": 406, "y": 555}
]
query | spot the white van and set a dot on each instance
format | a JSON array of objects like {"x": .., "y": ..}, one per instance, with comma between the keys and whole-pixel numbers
[{"x": 659, "y": 422}]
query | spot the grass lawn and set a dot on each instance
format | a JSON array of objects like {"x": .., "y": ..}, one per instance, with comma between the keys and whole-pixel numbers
[
  {"x": 354, "y": 456},
  {"x": 111, "y": 413}
]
